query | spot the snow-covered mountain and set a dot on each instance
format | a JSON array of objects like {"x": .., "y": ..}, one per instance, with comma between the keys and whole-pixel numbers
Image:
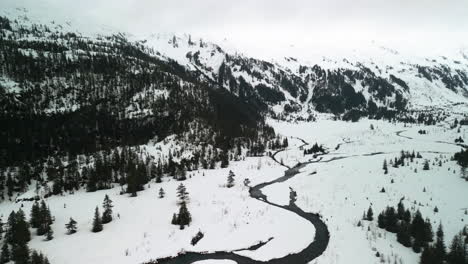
[
  {"x": 374, "y": 81},
  {"x": 378, "y": 77}
]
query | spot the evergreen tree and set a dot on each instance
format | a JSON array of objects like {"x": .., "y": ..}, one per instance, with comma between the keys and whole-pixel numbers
[
  {"x": 385, "y": 166},
  {"x": 35, "y": 215},
  {"x": 426, "y": 165},
  {"x": 418, "y": 231},
  {"x": 184, "y": 217},
  {"x": 71, "y": 226},
  {"x": 36, "y": 258},
  {"x": 401, "y": 211},
  {"x": 45, "y": 219},
  {"x": 407, "y": 216},
  {"x": 49, "y": 233},
  {"x": 97, "y": 222},
  {"x": 428, "y": 255},
  {"x": 21, "y": 234},
  {"x": 403, "y": 235},
  {"x": 370, "y": 214},
  {"x": 391, "y": 220},
  {"x": 230, "y": 179},
  {"x": 457, "y": 253},
  {"x": 182, "y": 194},
  {"x": 107, "y": 214},
  {"x": 20, "y": 253},
  {"x": 381, "y": 221},
  {"x": 5, "y": 255},
  {"x": 161, "y": 193},
  {"x": 440, "y": 250},
  {"x": 428, "y": 233},
  {"x": 174, "y": 219}
]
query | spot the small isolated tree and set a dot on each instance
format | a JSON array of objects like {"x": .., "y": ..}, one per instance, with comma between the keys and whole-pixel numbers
[
  {"x": 161, "y": 193},
  {"x": 370, "y": 214},
  {"x": 182, "y": 194},
  {"x": 174, "y": 219},
  {"x": 97, "y": 221},
  {"x": 385, "y": 166},
  {"x": 71, "y": 226},
  {"x": 183, "y": 218},
  {"x": 107, "y": 214},
  {"x": 426, "y": 165},
  {"x": 230, "y": 179}
]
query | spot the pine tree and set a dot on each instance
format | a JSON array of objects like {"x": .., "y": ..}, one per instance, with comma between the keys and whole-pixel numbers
[
  {"x": 418, "y": 229},
  {"x": 370, "y": 214},
  {"x": 35, "y": 215},
  {"x": 457, "y": 253},
  {"x": 184, "y": 217},
  {"x": 71, "y": 226},
  {"x": 381, "y": 221},
  {"x": 161, "y": 193},
  {"x": 37, "y": 258},
  {"x": 20, "y": 253},
  {"x": 174, "y": 219},
  {"x": 401, "y": 211},
  {"x": 45, "y": 219},
  {"x": 107, "y": 214},
  {"x": 5, "y": 255},
  {"x": 97, "y": 222},
  {"x": 440, "y": 250},
  {"x": 182, "y": 194},
  {"x": 428, "y": 233},
  {"x": 403, "y": 235},
  {"x": 230, "y": 179},
  {"x": 385, "y": 166},
  {"x": 21, "y": 229},
  {"x": 428, "y": 255},
  {"x": 49, "y": 233},
  {"x": 391, "y": 220},
  {"x": 407, "y": 216},
  {"x": 426, "y": 165}
]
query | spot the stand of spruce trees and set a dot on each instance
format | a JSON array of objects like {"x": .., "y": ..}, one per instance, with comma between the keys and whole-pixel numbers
[{"x": 15, "y": 245}]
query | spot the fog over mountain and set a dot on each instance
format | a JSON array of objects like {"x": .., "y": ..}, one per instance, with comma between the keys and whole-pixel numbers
[{"x": 270, "y": 28}]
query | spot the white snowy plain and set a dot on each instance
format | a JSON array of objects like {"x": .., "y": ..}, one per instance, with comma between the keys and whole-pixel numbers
[{"x": 340, "y": 191}]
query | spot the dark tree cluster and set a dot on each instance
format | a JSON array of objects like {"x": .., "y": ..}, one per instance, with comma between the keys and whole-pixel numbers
[
  {"x": 15, "y": 245},
  {"x": 98, "y": 220},
  {"x": 437, "y": 253},
  {"x": 42, "y": 219},
  {"x": 462, "y": 158},
  {"x": 278, "y": 143},
  {"x": 412, "y": 231},
  {"x": 316, "y": 148},
  {"x": 403, "y": 160}
]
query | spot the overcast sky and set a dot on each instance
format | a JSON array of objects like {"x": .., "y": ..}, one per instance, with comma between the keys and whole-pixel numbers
[{"x": 274, "y": 24}]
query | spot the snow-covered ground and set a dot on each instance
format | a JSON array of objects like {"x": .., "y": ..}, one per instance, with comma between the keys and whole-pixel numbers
[
  {"x": 228, "y": 217},
  {"x": 343, "y": 189},
  {"x": 340, "y": 191}
]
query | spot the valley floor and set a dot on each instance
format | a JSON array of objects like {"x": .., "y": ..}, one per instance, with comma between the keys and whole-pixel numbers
[{"x": 347, "y": 181}]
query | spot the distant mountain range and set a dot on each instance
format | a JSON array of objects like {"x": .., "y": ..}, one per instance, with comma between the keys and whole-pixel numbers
[{"x": 60, "y": 81}]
